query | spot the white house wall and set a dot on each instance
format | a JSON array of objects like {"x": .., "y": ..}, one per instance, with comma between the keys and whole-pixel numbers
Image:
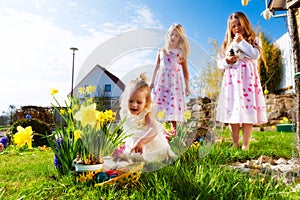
[
  {"x": 98, "y": 78},
  {"x": 115, "y": 90},
  {"x": 284, "y": 44}
]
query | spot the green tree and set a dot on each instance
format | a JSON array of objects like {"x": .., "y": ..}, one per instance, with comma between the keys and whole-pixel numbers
[
  {"x": 210, "y": 77},
  {"x": 270, "y": 64}
]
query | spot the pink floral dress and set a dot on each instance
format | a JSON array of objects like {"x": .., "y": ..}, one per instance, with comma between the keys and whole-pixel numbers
[
  {"x": 168, "y": 93},
  {"x": 241, "y": 99}
]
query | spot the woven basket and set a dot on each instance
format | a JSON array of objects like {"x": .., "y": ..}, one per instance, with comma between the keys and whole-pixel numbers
[{"x": 128, "y": 174}]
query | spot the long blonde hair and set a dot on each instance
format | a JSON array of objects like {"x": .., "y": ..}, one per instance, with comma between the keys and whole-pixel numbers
[
  {"x": 183, "y": 42},
  {"x": 249, "y": 34}
]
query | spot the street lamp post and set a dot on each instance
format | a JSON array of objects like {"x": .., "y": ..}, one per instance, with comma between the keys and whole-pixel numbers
[{"x": 73, "y": 49}]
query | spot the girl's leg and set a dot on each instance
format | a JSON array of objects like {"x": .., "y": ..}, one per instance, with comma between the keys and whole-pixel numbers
[
  {"x": 247, "y": 130},
  {"x": 235, "y": 133}
]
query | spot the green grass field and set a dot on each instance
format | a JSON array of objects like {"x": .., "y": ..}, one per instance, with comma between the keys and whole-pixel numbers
[{"x": 198, "y": 174}]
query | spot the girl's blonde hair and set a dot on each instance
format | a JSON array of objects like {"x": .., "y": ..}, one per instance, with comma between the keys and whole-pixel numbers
[
  {"x": 139, "y": 83},
  {"x": 249, "y": 34},
  {"x": 184, "y": 45}
]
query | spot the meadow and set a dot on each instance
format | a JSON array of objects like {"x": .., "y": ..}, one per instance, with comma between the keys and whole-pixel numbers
[{"x": 200, "y": 173}]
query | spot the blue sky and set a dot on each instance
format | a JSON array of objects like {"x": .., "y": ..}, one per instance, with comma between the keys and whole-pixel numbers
[{"x": 36, "y": 36}]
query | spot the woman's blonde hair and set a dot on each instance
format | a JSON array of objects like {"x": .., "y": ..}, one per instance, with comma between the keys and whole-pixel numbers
[
  {"x": 249, "y": 34},
  {"x": 183, "y": 42}
]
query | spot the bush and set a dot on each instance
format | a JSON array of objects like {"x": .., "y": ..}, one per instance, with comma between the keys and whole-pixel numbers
[
  {"x": 270, "y": 65},
  {"x": 39, "y": 128}
]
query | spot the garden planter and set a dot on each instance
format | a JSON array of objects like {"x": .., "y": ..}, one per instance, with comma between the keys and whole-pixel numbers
[{"x": 285, "y": 128}]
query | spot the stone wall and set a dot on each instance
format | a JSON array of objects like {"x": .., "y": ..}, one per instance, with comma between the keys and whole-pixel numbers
[{"x": 278, "y": 106}]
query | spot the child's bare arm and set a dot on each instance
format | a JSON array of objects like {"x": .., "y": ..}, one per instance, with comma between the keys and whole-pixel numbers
[
  {"x": 147, "y": 137},
  {"x": 186, "y": 75},
  {"x": 155, "y": 70}
]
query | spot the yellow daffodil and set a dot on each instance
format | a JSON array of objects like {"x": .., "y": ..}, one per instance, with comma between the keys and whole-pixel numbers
[
  {"x": 75, "y": 107},
  {"x": 53, "y": 91},
  {"x": 69, "y": 110},
  {"x": 160, "y": 115},
  {"x": 90, "y": 175},
  {"x": 281, "y": 121},
  {"x": 266, "y": 91},
  {"x": 81, "y": 90},
  {"x": 168, "y": 127},
  {"x": 286, "y": 120},
  {"x": 89, "y": 100},
  {"x": 90, "y": 89},
  {"x": 187, "y": 115},
  {"x": 23, "y": 136},
  {"x": 77, "y": 134},
  {"x": 87, "y": 115},
  {"x": 273, "y": 127},
  {"x": 62, "y": 111},
  {"x": 109, "y": 115},
  {"x": 100, "y": 120}
]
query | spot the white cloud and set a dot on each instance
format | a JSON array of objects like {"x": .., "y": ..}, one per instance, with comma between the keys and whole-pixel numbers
[
  {"x": 34, "y": 58},
  {"x": 35, "y": 54},
  {"x": 143, "y": 16}
]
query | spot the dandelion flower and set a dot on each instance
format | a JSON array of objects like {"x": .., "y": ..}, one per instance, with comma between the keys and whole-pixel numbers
[
  {"x": 90, "y": 175},
  {"x": 82, "y": 178}
]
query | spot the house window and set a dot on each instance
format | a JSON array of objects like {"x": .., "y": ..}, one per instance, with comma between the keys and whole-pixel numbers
[{"x": 107, "y": 88}]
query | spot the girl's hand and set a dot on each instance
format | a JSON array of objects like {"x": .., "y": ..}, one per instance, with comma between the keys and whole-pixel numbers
[
  {"x": 187, "y": 91},
  {"x": 238, "y": 37},
  {"x": 231, "y": 59},
  {"x": 137, "y": 148}
]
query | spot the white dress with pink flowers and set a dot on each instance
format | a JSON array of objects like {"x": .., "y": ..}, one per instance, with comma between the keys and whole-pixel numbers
[
  {"x": 241, "y": 99},
  {"x": 168, "y": 93}
]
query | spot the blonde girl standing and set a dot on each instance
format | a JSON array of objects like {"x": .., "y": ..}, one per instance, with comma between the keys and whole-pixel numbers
[
  {"x": 167, "y": 85},
  {"x": 241, "y": 101}
]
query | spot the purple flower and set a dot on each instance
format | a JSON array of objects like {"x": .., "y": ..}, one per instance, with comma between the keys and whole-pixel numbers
[
  {"x": 57, "y": 162},
  {"x": 4, "y": 141},
  {"x": 119, "y": 151}
]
